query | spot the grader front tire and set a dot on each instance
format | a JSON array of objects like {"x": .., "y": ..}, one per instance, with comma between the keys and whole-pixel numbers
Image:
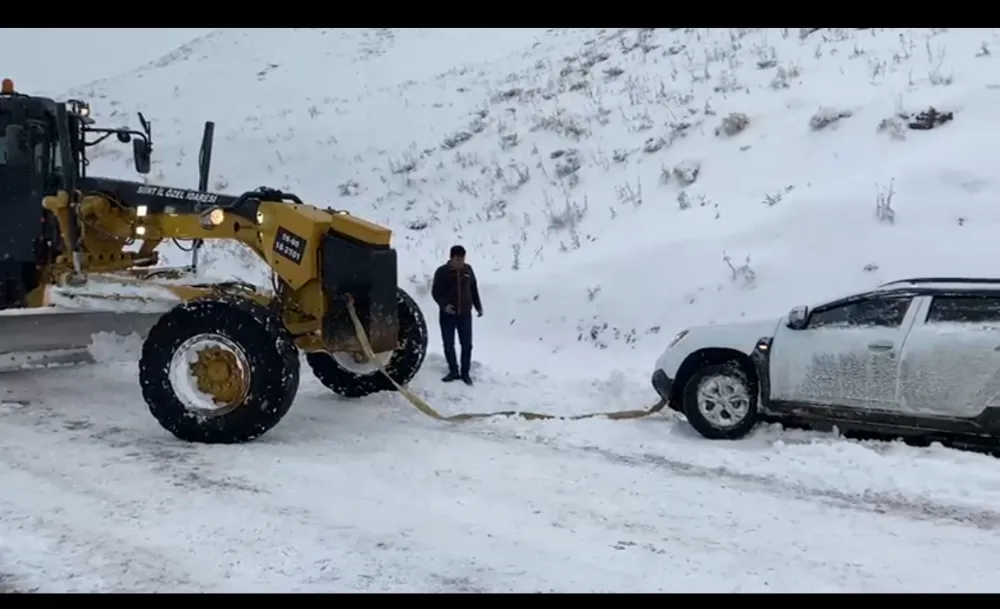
[
  {"x": 219, "y": 371},
  {"x": 354, "y": 381}
]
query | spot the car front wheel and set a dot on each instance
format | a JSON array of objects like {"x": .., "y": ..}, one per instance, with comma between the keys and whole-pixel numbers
[{"x": 720, "y": 402}]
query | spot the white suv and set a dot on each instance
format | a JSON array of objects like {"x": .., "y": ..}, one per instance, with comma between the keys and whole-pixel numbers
[{"x": 915, "y": 357}]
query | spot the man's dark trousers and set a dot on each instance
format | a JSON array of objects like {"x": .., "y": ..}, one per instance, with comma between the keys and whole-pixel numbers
[{"x": 462, "y": 324}]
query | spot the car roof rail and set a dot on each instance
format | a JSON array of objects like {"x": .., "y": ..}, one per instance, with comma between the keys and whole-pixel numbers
[{"x": 977, "y": 280}]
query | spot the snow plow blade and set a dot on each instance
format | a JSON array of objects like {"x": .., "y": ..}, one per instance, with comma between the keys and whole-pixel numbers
[{"x": 53, "y": 336}]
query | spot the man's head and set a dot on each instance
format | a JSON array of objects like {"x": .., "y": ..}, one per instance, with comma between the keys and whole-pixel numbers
[{"x": 457, "y": 256}]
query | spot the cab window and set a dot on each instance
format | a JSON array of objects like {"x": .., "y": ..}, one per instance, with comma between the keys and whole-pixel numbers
[{"x": 4, "y": 120}]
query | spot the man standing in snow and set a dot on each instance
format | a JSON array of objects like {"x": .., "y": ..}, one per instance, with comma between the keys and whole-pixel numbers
[{"x": 456, "y": 293}]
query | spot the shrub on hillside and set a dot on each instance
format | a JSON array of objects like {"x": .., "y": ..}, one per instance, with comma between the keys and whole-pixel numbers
[
  {"x": 929, "y": 119},
  {"x": 686, "y": 172},
  {"x": 896, "y": 126},
  {"x": 893, "y": 127},
  {"x": 825, "y": 117},
  {"x": 733, "y": 124}
]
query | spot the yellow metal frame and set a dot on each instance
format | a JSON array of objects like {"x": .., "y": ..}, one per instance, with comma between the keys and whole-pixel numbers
[{"x": 107, "y": 227}]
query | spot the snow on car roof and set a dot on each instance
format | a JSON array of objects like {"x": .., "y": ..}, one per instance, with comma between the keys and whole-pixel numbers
[{"x": 944, "y": 283}]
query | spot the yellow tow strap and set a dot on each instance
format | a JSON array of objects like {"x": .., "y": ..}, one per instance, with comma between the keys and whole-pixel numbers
[{"x": 426, "y": 408}]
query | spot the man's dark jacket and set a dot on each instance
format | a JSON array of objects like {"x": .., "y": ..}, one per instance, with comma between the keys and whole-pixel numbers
[{"x": 456, "y": 287}]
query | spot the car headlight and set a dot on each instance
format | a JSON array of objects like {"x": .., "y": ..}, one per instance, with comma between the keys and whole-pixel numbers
[{"x": 677, "y": 339}]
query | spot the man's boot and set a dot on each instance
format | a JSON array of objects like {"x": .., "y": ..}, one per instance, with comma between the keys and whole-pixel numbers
[{"x": 451, "y": 376}]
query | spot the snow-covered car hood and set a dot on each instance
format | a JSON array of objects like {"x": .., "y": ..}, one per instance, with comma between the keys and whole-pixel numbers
[
  {"x": 755, "y": 327},
  {"x": 741, "y": 336}
]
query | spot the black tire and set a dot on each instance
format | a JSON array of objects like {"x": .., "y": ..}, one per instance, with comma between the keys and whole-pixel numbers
[
  {"x": 729, "y": 372},
  {"x": 268, "y": 348},
  {"x": 402, "y": 366}
]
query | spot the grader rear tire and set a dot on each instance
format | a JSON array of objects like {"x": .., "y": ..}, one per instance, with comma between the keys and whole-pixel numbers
[
  {"x": 219, "y": 371},
  {"x": 358, "y": 380}
]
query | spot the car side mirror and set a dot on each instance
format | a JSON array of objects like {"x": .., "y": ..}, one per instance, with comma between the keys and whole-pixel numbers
[
  {"x": 798, "y": 317},
  {"x": 142, "y": 152},
  {"x": 16, "y": 147}
]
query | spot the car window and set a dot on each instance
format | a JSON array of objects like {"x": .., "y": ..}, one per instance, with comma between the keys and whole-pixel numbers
[
  {"x": 876, "y": 312},
  {"x": 964, "y": 309}
]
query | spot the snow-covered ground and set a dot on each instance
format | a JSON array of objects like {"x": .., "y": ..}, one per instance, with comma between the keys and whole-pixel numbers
[{"x": 601, "y": 179}]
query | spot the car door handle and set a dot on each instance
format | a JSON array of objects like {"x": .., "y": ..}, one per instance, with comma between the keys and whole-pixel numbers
[{"x": 880, "y": 345}]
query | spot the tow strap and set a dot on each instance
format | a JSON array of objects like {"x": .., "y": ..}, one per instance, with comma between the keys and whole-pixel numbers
[{"x": 428, "y": 410}]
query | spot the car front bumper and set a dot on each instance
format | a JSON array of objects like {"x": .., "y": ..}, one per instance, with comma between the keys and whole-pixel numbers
[{"x": 662, "y": 384}]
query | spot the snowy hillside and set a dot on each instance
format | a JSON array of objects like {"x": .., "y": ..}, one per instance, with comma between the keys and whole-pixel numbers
[
  {"x": 592, "y": 173},
  {"x": 612, "y": 187}
]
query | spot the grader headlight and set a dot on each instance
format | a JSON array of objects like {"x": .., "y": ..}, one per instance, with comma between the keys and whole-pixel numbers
[
  {"x": 212, "y": 218},
  {"x": 79, "y": 108}
]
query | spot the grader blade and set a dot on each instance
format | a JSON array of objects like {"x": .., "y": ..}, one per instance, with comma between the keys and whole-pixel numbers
[{"x": 52, "y": 336}]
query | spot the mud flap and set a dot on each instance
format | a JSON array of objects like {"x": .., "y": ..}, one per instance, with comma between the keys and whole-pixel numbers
[{"x": 56, "y": 336}]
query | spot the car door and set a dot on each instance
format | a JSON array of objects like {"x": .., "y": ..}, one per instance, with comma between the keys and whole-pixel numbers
[
  {"x": 950, "y": 365},
  {"x": 846, "y": 356}
]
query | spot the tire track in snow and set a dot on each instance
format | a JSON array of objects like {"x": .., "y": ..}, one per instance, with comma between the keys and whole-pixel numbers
[
  {"x": 385, "y": 559},
  {"x": 93, "y": 438},
  {"x": 103, "y": 543},
  {"x": 124, "y": 486},
  {"x": 870, "y": 501},
  {"x": 188, "y": 468},
  {"x": 875, "y": 501},
  {"x": 161, "y": 454},
  {"x": 364, "y": 495}
]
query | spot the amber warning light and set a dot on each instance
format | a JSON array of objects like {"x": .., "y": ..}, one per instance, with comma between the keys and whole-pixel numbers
[{"x": 7, "y": 87}]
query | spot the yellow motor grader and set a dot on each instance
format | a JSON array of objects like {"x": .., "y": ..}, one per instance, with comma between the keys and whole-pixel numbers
[{"x": 220, "y": 361}]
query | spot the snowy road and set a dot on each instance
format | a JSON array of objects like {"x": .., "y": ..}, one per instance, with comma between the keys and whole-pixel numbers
[{"x": 367, "y": 496}]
